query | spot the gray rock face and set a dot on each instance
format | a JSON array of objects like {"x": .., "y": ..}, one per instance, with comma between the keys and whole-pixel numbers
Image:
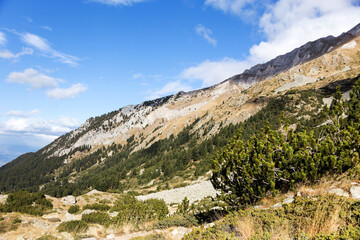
[
  {"x": 69, "y": 200},
  {"x": 355, "y": 191},
  {"x": 303, "y": 54}
]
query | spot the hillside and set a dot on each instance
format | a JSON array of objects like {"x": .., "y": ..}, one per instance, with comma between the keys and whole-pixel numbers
[{"x": 169, "y": 141}]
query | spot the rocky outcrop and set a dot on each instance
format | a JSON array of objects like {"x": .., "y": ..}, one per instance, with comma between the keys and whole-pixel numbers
[{"x": 69, "y": 200}]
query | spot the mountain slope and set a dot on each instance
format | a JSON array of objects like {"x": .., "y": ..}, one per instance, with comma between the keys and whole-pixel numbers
[{"x": 173, "y": 137}]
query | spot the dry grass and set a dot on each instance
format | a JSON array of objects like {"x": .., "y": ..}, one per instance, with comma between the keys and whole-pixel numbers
[
  {"x": 322, "y": 221},
  {"x": 246, "y": 227}
]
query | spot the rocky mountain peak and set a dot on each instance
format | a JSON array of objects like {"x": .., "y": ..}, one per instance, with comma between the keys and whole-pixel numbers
[{"x": 303, "y": 54}]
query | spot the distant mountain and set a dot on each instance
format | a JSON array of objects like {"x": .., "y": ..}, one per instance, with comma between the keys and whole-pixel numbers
[{"x": 168, "y": 141}]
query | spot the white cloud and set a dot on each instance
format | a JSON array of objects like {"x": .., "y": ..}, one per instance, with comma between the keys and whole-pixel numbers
[
  {"x": 17, "y": 113},
  {"x": 119, "y": 2},
  {"x": 71, "y": 92},
  {"x": 213, "y": 72},
  {"x": 33, "y": 78},
  {"x": 2, "y": 38},
  {"x": 9, "y": 55},
  {"x": 43, "y": 46},
  {"x": 169, "y": 88},
  {"x": 47, "y": 28},
  {"x": 231, "y": 6},
  {"x": 288, "y": 24},
  {"x": 206, "y": 34}
]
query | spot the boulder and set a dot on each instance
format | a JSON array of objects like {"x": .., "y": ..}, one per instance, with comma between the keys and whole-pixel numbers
[
  {"x": 69, "y": 200},
  {"x": 339, "y": 192},
  {"x": 355, "y": 191}
]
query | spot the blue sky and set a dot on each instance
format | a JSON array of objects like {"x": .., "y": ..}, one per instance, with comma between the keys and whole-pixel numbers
[{"x": 64, "y": 61}]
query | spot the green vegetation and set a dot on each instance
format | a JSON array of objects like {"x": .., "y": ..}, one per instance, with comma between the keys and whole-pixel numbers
[
  {"x": 96, "y": 217},
  {"x": 137, "y": 212},
  {"x": 177, "y": 221},
  {"x": 73, "y": 209},
  {"x": 25, "y": 202},
  {"x": 273, "y": 161},
  {"x": 73, "y": 227},
  {"x": 97, "y": 206},
  {"x": 305, "y": 218}
]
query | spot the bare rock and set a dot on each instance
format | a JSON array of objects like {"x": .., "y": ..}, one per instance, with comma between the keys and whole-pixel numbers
[
  {"x": 278, "y": 205},
  {"x": 339, "y": 192},
  {"x": 69, "y": 200},
  {"x": 288, "y": 199},
  {"x": 3, "y": 198},
  {"x": 110, "y": 236},
  {"x": 355, "y": 191}
]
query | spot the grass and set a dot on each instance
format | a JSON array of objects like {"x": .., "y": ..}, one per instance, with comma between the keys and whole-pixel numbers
[{"x": 313, "y": 217}]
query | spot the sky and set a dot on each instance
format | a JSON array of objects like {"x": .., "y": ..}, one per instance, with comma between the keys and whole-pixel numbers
[{"x": 64, "y": 61}]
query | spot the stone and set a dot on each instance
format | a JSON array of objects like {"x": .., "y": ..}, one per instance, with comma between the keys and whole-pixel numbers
[
  {"x": 278, "y": 205},
  {"x": 288, "y": 199},
  {"x": 91, "y": 238},
  {"x": 339, "y": 192},
  {"x": 87, "y": 211},
  {"x": 355, "y": 191},
  {"x": 20, "y": 238},
  {"x": 3, "y": 198},
  {"x": 110, "y": 236},
  {"x": 69, "y": 200}
]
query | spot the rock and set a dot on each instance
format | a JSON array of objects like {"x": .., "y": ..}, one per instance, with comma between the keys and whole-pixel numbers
[
  {"x": 288, "y": 199},
  {"x": 209, "y": 225},
  {"x": 113, "y": 214},
  {"x": 174, "y": 232},
  {"x": 355, "y": 191},
  {"x": 278, "y": 205},
  {"x": 87, "y": 211},
  {"x": 71, "y": 217},
  {"x": 20, "y": 238},
  {"x": 339, "y": 192},
  {"x": 69, "y": 200},
  {"x": 110, "y": 236},
  {"x": 54, "y": 219},
  {"x": 3, "y": 198},
  {"x": 92, "y": 238}
]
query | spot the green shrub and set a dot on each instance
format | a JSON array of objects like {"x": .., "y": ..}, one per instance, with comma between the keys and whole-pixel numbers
[
  {"x": 25, "y": 202},
  {"x": 177, "y": 221},
  {"x": 97, "y": 206},
  {"x": 73, "y": 226},
  {"x": 273, "y": 161},
  {"x": 134, "y": 211},
  {"x": 73, "y": 209},
  {"x": 16, "y": 220},
  {"x": 96, "y": 217}
]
